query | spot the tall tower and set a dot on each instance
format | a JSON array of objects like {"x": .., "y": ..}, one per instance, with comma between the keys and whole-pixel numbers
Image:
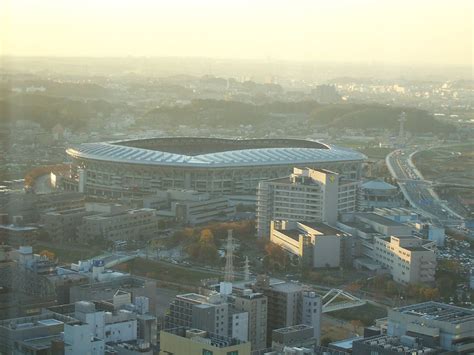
[
  {"x": 401, "y": 133},
  {"x": 229, "y": 263}
]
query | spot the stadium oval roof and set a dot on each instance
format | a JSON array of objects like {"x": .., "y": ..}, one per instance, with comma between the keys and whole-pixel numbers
[{"x": 125, "y": 152}]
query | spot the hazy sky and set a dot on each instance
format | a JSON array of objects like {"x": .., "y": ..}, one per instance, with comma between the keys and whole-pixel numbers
[{"x": 389, "y": 31}]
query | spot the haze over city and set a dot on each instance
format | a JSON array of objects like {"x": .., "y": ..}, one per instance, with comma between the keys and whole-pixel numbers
[
  {"x": 368, "y": 31},
  {"x": 236, "y": 177}
]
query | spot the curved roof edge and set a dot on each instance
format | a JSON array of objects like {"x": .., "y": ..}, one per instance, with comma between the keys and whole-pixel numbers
[{"x": 113, "y": 152}]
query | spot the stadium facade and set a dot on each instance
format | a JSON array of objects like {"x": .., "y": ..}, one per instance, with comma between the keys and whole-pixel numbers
[{"x": 214, "y": 165}]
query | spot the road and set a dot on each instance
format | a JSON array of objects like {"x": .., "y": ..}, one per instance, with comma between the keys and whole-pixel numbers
[{"x": 417, "y": 191}]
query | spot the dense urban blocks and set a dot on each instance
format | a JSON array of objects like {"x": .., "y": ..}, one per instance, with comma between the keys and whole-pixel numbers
[{"x": 214, "y": 165}]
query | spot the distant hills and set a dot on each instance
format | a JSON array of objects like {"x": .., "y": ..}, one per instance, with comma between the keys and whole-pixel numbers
[
  {"x": 342, "y": 115},
  {"x": 76, "y": 113}
]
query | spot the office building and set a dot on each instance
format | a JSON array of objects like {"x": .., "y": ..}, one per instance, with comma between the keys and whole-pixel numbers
[
  {"x": 382, "y": 243},
  {"x": 437, "y": 324},
  {"x": 62, "y": 224},
  {"x": 287, "y": 303},
  {"x": 192, "y": 207},
  {"x": 255, "y": 304},
  {"x": 406, "y": 257},
  {"x": 209, "y": 313},
  {"x": 25, "y": 332},
  {"x": 182, "y": 340},
  {"x": 307, "y": 195},
  {"x": 317, "y": 244},
  {"x": 123, "y": 225}
]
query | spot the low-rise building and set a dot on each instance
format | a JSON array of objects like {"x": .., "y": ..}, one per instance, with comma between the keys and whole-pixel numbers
[
  {"x": 440, "y": 325},
  {"x": 378, "y": 194},
  {"x": 19, "y": 333},
  {"x": 317, "y": 244},
  {"x": 123, "y": 225},
  {"x": 182, "y": 340},
  {"x": 98, "y": 291},
  {"x": 382, "y": 243},
  {"x": 406, "y": 257},
  {"x": 391, "y": 345},
  {"x": 300, "y": 336}
]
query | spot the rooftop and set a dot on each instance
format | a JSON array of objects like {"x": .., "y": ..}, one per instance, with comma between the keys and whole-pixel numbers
[
  {"x": 286, "y": 286},
  {"x": 324, "y": 228},
  {"x": 438, "y": 311},
  {"x": 396, "y": 344},
  {"x": 379, "y": 219},
  {"x": 197, "y": 335},
  {"x": 293, "y": 328},
  {"x": 214, "y": 152},
  {"x": 377, "y": 185}
]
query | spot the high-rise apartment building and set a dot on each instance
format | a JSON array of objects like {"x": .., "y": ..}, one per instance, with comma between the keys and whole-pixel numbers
[{"x": 306, "y": 195}]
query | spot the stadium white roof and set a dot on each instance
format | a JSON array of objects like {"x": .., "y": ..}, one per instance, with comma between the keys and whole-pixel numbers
[{"x": 115, "y": 152}]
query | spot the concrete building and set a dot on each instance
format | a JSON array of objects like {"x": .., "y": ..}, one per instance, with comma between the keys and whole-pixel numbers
[
  {"x": 78, "y": 340},
  {"x": 255, "y": 304},
  {"x": 382, "y": 243},
  {"x": 300, "y": 336},
  {"x": 440, "y": 325},
  {"x": 192, "y": 207},
  {"x": 373, "y": 223},
  {"x": 286, "y": 303},
  {"x": 183, "y": 340},
  {"x": 106, "y": 323},
  {"x": 317, "y": 244},
  {"x": 399, "y": 214},
  {"x": 99, "y": 291},
  {"x": 19, "y": 333},
  {"x": 390, "y": 345},
  {"x": 311, "y": 313},
  {"x": 124, "y": 225},
  {"x": 306, "y": 195},
  {"x": 63, "y": 224},
  {"x": 210, "y": 313},
  {"x": 407, "y": 259},
  {"x": 378, "y": 194}
]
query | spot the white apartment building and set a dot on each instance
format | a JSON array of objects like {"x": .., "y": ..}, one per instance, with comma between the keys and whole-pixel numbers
[
  {"x": 408, "y": 260},
  {"x": 306, "y": 195}
]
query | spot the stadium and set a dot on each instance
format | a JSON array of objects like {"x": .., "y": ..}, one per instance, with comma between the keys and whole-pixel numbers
[{"x": 214, "y": 165}]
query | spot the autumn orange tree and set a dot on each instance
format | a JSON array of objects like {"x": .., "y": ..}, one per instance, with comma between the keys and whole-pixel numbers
[{"x": 47, "y": 254}]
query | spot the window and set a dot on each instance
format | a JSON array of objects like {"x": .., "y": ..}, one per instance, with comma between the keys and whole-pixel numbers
[
  {"x": 207, "y": 352},
  {"x": 234, "y": 352}
]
